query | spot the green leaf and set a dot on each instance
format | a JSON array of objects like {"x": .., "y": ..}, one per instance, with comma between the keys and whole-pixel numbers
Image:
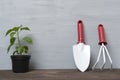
[
  {"x": 28, "y": 39},
  {"x": 25, "y": 49},
  {"x": 19, "y": 49},
  {"x": 25, "y": 28},
  {"x": 8, "y": 32},
  {"x": 8, "y": 49},
  {"x": 15, "y": 29},
  {"x": 12, "y": 34},
  {"x": 12, "y": 40}
]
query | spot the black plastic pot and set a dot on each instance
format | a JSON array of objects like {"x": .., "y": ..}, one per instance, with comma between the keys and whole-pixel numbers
[{"x": 20, "y": 63}]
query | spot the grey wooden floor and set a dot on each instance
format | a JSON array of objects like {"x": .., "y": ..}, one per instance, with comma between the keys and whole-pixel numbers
[{"x": 68, "y": 74}]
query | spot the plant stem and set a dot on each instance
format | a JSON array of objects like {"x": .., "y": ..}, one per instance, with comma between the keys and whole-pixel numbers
[{"x": 19, "y": 43}]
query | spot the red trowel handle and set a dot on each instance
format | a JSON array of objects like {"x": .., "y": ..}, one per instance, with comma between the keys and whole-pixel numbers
[
  {"x": 80, "y": 32},
  {"x": 101, "y": 35}
]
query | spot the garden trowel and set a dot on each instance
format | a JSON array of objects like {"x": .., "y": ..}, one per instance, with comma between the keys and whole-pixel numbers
[{"x": 81, "y": 51}]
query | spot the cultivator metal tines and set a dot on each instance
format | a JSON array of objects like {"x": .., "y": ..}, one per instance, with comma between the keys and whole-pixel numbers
[{"x": 103, "y": 48}]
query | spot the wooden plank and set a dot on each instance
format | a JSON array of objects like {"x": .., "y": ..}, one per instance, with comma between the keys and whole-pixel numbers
[{"x": 66, "y": 74}]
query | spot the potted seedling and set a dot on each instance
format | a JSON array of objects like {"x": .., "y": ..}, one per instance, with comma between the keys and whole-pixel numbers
[{"x": 19, "y": 57}]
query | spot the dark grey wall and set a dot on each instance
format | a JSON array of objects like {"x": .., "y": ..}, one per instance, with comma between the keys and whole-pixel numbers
[{"x": 54, "y": 29}]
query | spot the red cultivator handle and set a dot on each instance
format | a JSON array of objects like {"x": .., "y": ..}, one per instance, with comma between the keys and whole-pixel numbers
[
  {"x": 80, "y": 32},
  {"x": 101, "y": 35}
]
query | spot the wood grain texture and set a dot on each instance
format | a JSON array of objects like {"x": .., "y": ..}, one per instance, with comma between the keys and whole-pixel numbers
[{"x": 66, "y": 74}]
